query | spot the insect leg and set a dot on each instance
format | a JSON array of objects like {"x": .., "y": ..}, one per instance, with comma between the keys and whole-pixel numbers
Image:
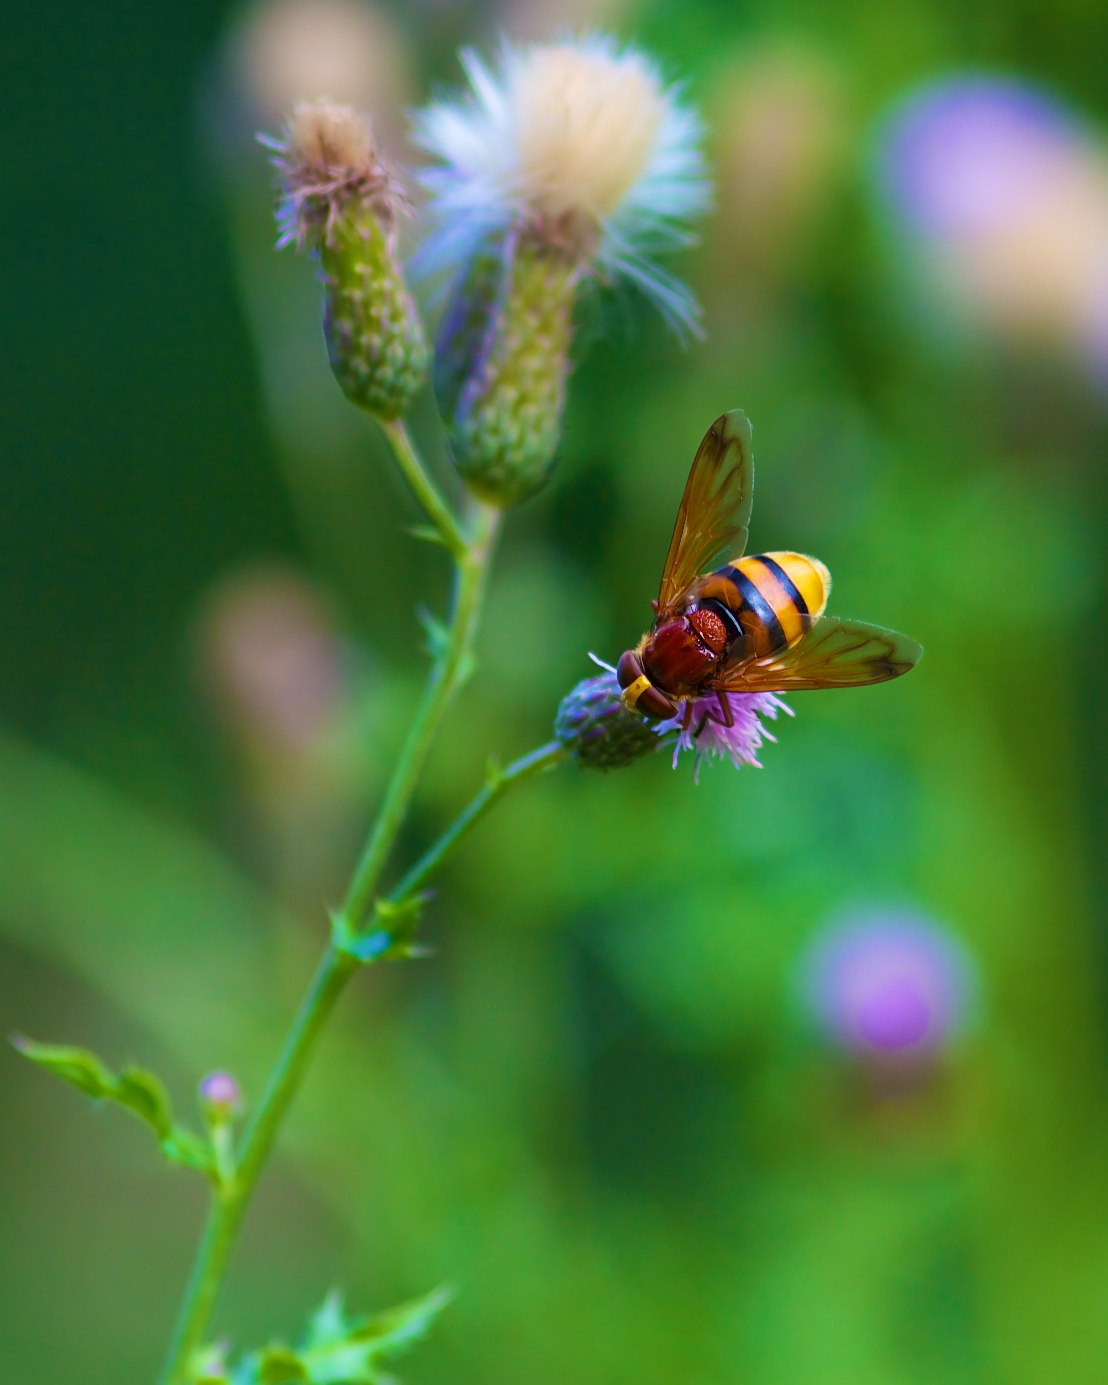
[{"x": 725, "y": 708}]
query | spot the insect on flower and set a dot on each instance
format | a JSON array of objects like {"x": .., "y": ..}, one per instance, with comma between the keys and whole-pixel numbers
[{"x": 756, "y": 624}]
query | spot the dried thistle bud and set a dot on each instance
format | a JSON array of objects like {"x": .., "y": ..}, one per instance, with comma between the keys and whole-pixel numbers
[
  {"x": 340, "y": 200},
  {"x": 595, "y": 727}
]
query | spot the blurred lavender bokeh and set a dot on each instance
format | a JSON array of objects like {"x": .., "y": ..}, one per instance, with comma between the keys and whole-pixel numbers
[
  {"x": 888, "y": 982},
  {"x": 1005, "y": 192}
]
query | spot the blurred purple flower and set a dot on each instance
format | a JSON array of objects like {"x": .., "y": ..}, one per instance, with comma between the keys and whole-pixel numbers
[
  {"x": 888, "y": 983},
  {"x": 1007, "y": 192},
  {"x": 970, "y": 152},
  {"x": 708, "y": 733}
]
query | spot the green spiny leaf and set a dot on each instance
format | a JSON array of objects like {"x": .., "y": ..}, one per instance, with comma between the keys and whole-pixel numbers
[
  {"x": 338, "y": 1350},
  {"x": 347, "y": 1363},
  {"x": 397, "y": 1328},
  {"x": 328, "y": 1323}
]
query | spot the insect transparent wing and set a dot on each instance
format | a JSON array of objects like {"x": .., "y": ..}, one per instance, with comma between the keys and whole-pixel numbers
[
  {"x": 832, "y": 654},
  {"x": 715, "y": 510}
]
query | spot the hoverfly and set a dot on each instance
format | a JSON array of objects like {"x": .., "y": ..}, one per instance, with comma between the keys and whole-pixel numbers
[{"x": 757, "y": 623}]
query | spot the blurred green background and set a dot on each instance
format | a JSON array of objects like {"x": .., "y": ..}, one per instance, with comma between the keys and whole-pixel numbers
[{"x": 598, "y": 1109}]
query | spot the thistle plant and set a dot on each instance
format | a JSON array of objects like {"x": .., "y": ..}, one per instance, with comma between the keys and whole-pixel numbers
[{"x": 570, "y": 164}]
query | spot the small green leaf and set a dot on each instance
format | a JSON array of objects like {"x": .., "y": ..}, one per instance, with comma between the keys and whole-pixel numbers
[
  {"x": 208, "y": 1366},
  {"x": 143, "y": 1093},
  {"x": 399, "y": 921},
  {"x": 438, "y": 636},
  {"x": 135, "y": 1089},
  {"x": 467, "y": 667},
  {"x": 185, "y": 1148},
  {"x": 427, "y": 534},
  {"x": 279, "y": 1365},
  {"x": 77, "y": 1066}
]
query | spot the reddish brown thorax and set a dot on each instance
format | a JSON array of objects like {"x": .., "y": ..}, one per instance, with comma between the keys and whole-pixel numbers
[
  {"x": 680, "y": 654},
  {"x": 710, "y": 628}
]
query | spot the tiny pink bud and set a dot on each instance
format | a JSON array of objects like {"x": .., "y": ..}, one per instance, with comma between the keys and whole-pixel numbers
[{"x": 220, "y": 1094}]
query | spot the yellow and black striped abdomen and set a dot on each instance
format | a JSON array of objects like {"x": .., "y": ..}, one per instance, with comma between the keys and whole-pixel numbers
[{"x": 772, "y": 595}]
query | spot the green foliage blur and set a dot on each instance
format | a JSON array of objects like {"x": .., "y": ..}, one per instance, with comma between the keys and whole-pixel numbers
[{"x": 598, "y": 1110}]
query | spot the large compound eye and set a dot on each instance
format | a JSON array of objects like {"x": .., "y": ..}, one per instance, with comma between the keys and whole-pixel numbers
[
  {"x": 629, "y": 669},
  {"x": 655, "y": 705}
]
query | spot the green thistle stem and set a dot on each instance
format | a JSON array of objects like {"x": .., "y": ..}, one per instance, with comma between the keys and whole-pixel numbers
[
  {"x": 448, "y": 674},
  {"x": 229, "y": 1205},
  {"x": 424, "y": 489},
  {"x": 526, "y": 767}
]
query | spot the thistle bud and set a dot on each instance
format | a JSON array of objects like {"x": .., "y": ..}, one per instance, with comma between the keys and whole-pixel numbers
[
  {"x": 594, "y": 726},
  {"x": 509, "y": 332},
  {"x": 340, "y": 200}
]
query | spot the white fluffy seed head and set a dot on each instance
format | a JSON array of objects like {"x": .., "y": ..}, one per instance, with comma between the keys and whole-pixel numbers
[
  {"x": 585, "y": 125},
  {"x": 578, "y": 144}
]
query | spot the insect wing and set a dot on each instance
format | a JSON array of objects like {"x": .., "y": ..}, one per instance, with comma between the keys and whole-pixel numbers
[
  {"x": 715, "y": 510},
  {"x": 832, "y": 654}
]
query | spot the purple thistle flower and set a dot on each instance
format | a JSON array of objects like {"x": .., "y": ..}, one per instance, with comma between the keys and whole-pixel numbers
[
  {"x": 707, "y": 732},
  {"x": 1006, "y": 193},
  {"x": 972, "y": 152},
  {"x": 888, "y": 984}
]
